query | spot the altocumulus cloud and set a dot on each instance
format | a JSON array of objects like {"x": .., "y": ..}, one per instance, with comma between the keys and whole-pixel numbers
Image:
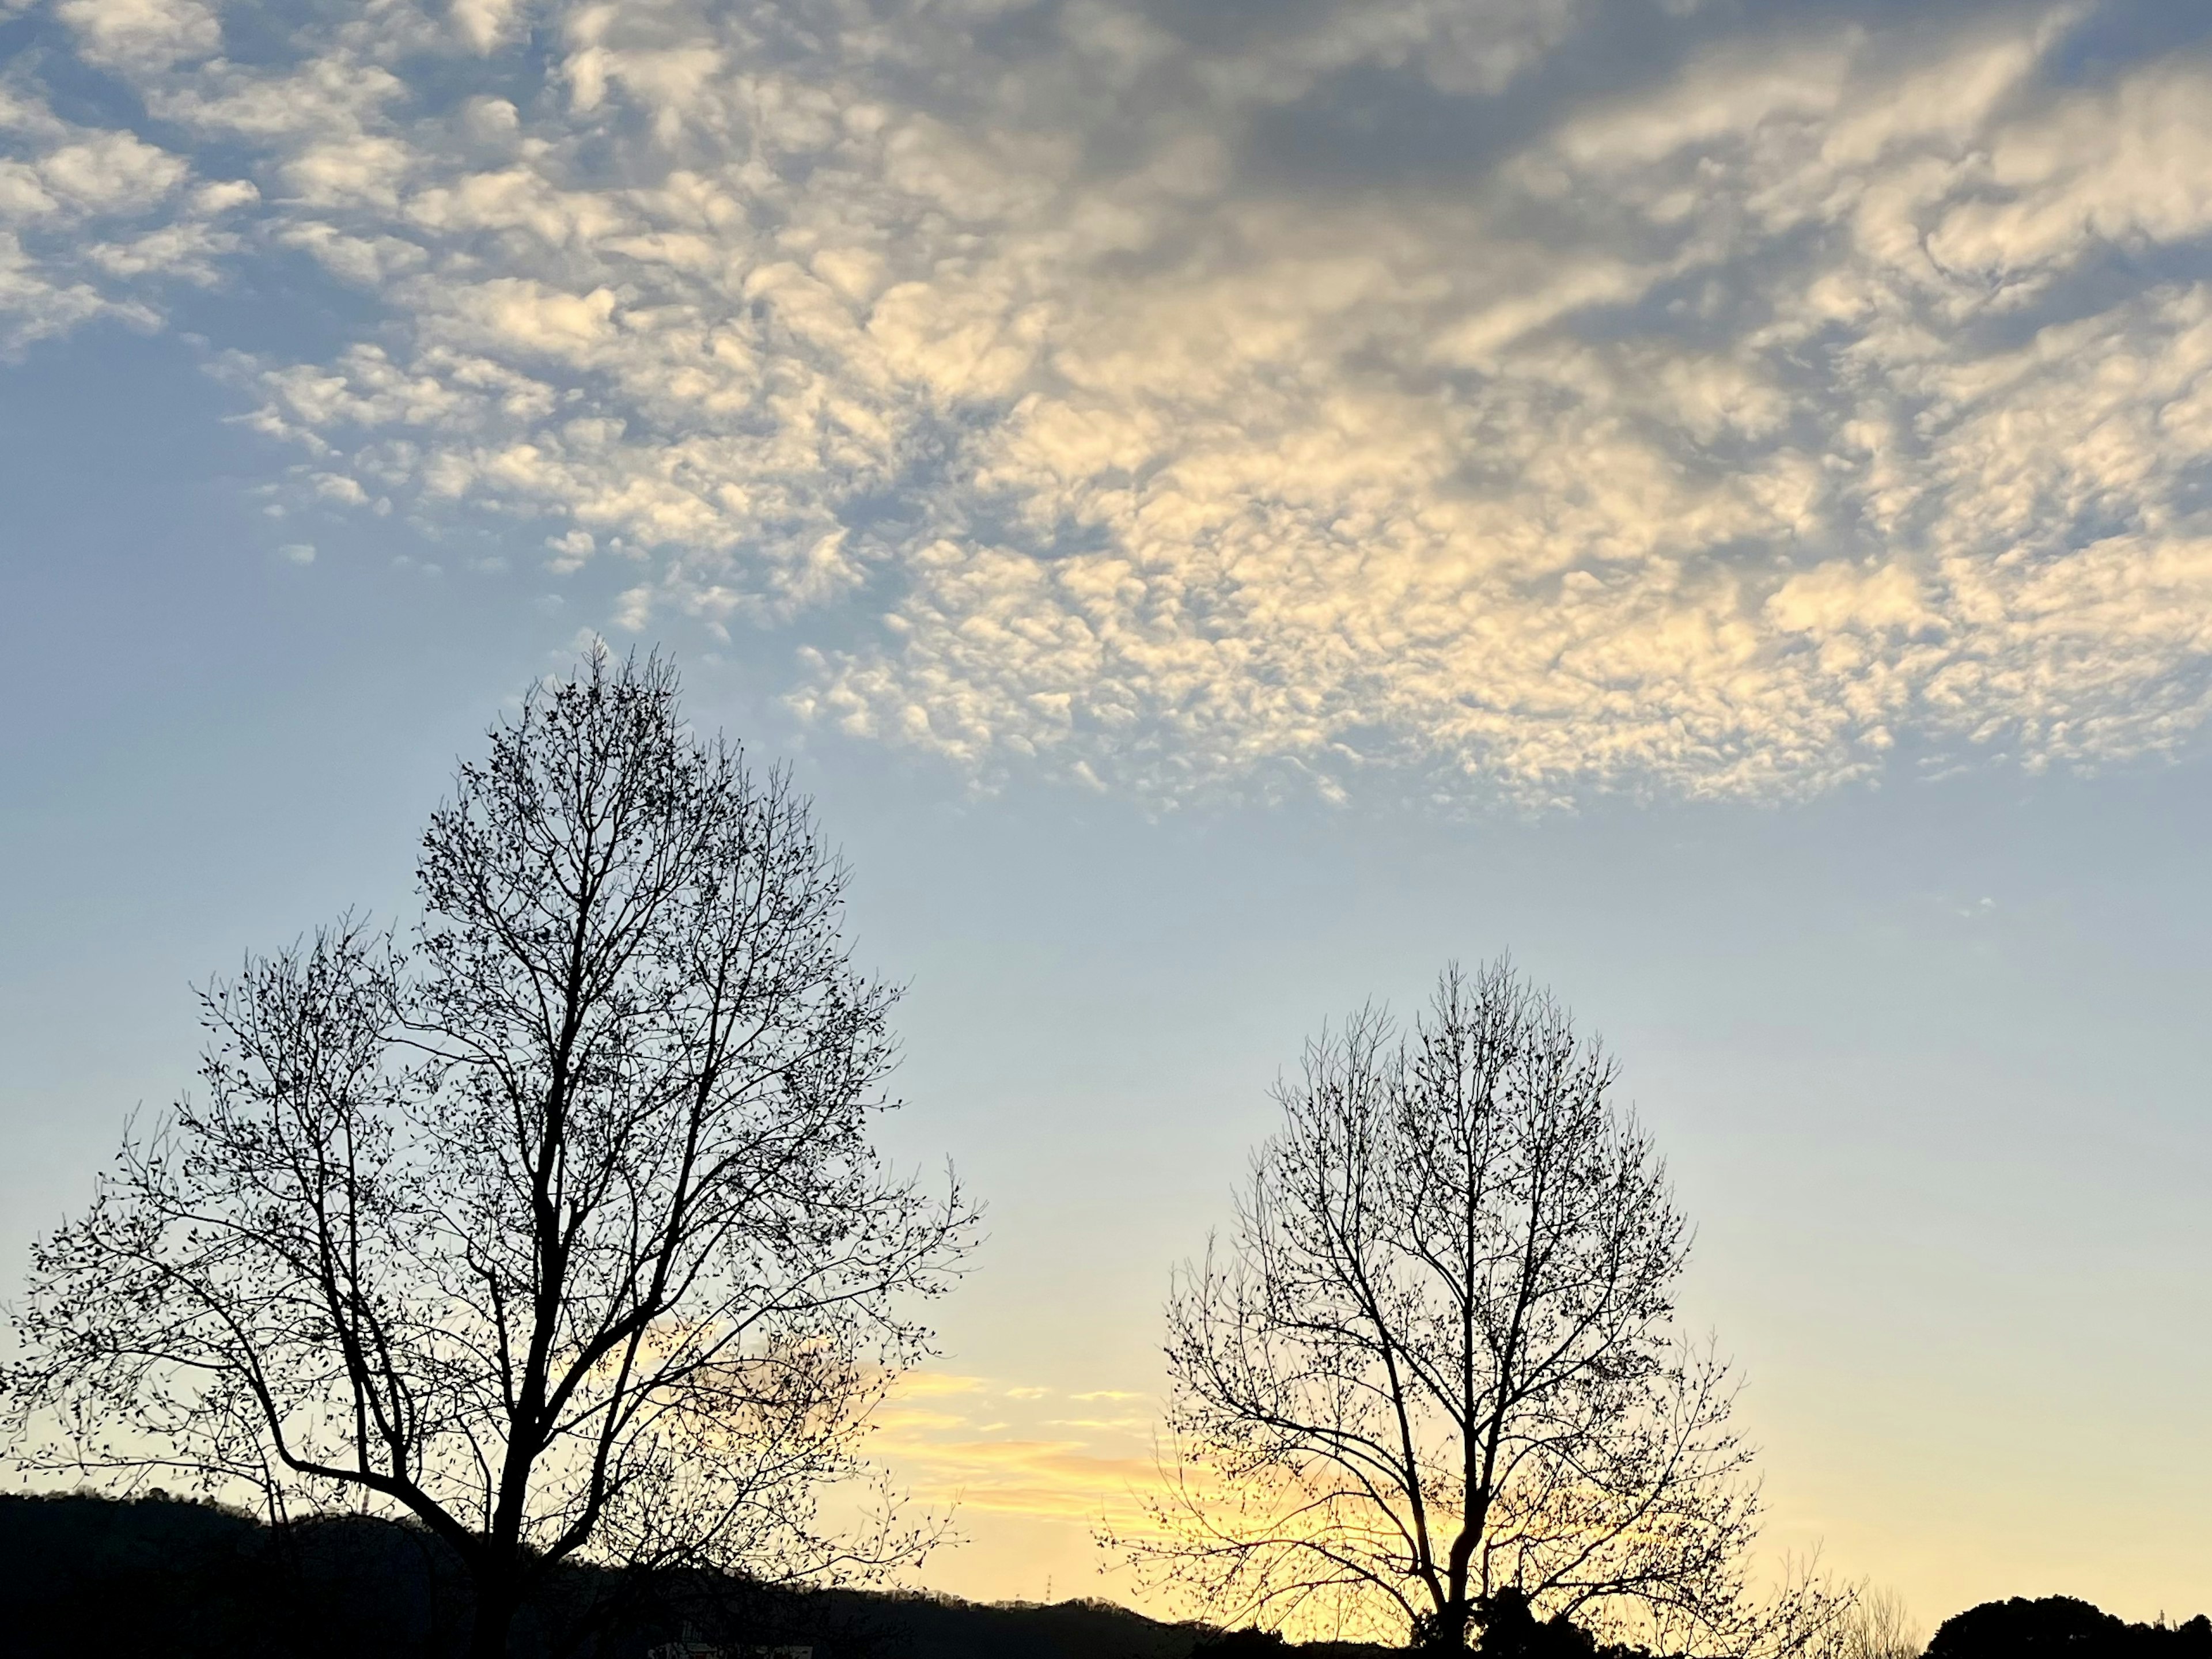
[{"x": 1528, "y": 395}]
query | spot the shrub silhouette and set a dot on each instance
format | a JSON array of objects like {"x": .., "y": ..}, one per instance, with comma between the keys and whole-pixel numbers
[
  {"x": 1510, "y": 1630},
  {"x": 1251, "y": 1643}
]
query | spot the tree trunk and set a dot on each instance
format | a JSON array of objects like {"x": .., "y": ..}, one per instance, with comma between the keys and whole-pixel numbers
[{"x": 495, "y": 1603}]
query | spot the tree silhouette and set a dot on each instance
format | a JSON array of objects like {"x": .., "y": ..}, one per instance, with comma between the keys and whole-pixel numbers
[
  {"x": 1434, "y": 1370},
  {"x": 2063, "y": 1627},
  {"x": 558, "y": 1229}
]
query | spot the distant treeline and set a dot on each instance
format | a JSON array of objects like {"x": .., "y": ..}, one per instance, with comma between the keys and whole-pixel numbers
[
  {"x": 168, "y": 1579},
  {"x": 2060, "y": 1627}
]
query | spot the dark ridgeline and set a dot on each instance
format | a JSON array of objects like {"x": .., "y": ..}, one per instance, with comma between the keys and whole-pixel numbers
[
  {"x": 158, "y": 1576},
  {"x": 81, "y": 1574}
]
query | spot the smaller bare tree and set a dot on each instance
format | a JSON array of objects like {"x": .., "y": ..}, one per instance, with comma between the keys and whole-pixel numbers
[
  {"x": 1878, "y": 1625},
  {"x": 562, "y": 1232},
  {"x": 1436, "y": 1360}
]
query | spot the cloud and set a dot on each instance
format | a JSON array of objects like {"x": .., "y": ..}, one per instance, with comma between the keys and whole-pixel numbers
[
  {"x": 1055, "y": 1479},
  {"x": 94, "y": 221},
  {"x": 1254, "y": 397},
  {"x": 930, "y": 1385},
  {"x": 141, "y": 34},
  {"x": 959, "y": 1448}
]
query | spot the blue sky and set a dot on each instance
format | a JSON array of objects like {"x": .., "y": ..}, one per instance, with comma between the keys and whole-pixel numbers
[{"x": 1227, "y": 508}]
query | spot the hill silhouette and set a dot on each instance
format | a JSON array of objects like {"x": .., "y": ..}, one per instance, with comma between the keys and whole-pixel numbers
[{"x": 160, "y": 1576}]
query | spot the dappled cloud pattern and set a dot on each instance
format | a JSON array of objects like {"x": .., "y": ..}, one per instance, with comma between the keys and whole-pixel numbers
[{"x": 1523, "y": 396}]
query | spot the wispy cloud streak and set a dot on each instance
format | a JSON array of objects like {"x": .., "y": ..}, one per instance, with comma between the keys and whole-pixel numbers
[{"x": 985, "y": 1447}]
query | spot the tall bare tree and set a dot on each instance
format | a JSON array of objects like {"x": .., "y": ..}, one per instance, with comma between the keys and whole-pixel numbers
[
  {"x": 1437, "y": 1359},
  {"x": 560, "y": 1229}
]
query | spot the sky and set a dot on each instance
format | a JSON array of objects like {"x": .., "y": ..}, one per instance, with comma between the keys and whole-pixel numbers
[{"x": 1227, "y": 507}]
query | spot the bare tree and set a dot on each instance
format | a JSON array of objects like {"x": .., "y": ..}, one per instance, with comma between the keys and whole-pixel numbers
[
  {"x": 560, "y": 1232},
  {"x": 1879, "y": 1625},
  {"x": 1436, "y": 1360}
]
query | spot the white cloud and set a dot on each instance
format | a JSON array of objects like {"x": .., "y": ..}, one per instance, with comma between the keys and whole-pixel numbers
[
  {"x": 2129, "y": 165},
  {"x": 141, "y": 34},
  {"x": 92, "y": 220},
  {"x": 484, "y": 24},
  {"x": 1151, "y": 401}
]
